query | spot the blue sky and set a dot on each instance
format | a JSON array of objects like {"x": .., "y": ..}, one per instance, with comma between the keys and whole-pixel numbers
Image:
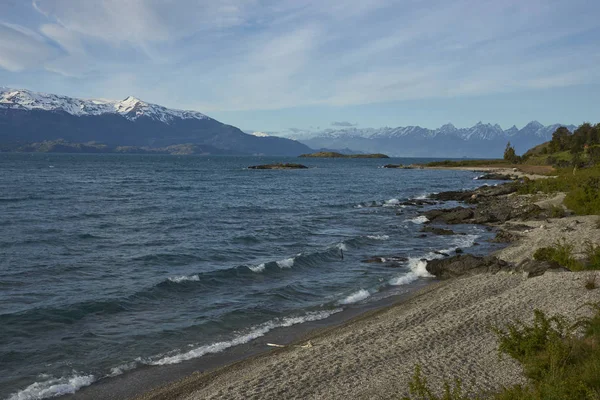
[{"x": 309, "y": 64}]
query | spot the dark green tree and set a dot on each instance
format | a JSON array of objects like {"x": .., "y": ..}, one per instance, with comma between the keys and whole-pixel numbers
[{"x": 510, "y": 155}]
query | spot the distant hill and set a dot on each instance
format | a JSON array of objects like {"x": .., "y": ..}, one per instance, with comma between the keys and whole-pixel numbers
[
  {"x": 28, "y": 117},
  {"x": 480, "y": 140}
]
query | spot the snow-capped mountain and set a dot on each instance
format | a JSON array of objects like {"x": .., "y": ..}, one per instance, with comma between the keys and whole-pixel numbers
[
  {"x": 29, "y": 117},
  {"x": 130, "y": 108},
  {"x": 480, "y": 140}
]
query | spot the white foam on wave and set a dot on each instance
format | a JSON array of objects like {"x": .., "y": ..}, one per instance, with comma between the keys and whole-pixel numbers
[
  {"x": 287, "y": 263},
  {"x": 418, "y": 265},
  {"x": 342, "y": 246},
  {"x": 421, "y": 196},
  {"x": 257, "y": 268},
  {"x": 254, "y": 333},
  {"x": 418, "y": 269},
  {"x": 392, "y": 203},
  {"x": 421, "y": 219},
  {"x": 120, "y": 369},
  {"x": 53, "y": 387},
  {"x": 378, "y": 237},
  {"x": 356, "y": 297},
  {"x": 183, "y": 278}
]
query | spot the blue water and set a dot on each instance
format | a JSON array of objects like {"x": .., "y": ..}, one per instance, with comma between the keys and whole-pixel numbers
[{"x": 111, "y": 262}]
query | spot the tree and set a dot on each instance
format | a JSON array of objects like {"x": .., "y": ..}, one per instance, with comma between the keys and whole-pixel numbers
[
  {"x": 560, "y": 140},
  {"x": 510, "y": 155}
]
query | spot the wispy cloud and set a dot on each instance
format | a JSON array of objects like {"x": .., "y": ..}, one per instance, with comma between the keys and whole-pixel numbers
[{"x": 268, "y": 54}]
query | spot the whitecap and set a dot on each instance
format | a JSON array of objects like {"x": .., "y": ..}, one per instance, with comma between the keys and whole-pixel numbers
[
  {"x": 421, "y": 219},
  {"x": 183, "y": 278},
  {"x": 287, "y": 263},
  {"x": 418, "y": 269},
  {"x": 257, "y": 268},
  {"x": 391, "y": 203},
  {"x": 120, "y": 369},
  {"x": 254, "y": 333},
  {"x": 378, "y": 237},
  {"x": 342, "y": 246},
  {"x": 356, "y": 297},
  {"x": 53, "y": 387}
]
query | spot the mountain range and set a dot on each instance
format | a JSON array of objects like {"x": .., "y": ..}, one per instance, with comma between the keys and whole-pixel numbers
[
  {"x": 29, "y": 117},
  {"x": 32, "y": 121},
  {"x": 480, "y": 140}
]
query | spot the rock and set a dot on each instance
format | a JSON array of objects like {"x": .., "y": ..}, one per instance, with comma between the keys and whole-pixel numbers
[
  {"x": 503, "y": 236},
  {"x": 466, "y": 265},
  {"x": 437, "y": 231},
  {"x": 450, "y": 216},
  {"x": 400, "y": 166},
  {"x": 452, "y": 195},
  {"x": 458, "y": 251},
  {"x": 497, "y": 177},
  {"x": 279, "y": 166},
  {"x": 418, "y": 202},
  {"x": 535, "y": 268}
]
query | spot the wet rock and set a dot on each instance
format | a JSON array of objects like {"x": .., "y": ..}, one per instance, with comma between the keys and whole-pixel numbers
[
  {"x": 466, "y": 265},
  {"x": 437, "y": 231},
  {"x": 458, "y": 251},
  {"x": 457, "y": 215},
  {"x": 535, "y": 268},
  {"x": 418, "y": 202},
  {"x": 461, "y": 195}
]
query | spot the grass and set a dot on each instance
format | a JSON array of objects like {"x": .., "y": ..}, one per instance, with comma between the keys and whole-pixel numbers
[
  {"x": 557, "y": 212},
  {"x": 560, "y": 360},
  {"x": 561, "y": 252},
  {"x": 590, "y": 282},
  {"x": 592, "y": 253},
  {"x": 581, "y": 186}
]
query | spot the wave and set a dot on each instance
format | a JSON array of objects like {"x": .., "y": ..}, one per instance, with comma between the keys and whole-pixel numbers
[
  {"x": 53, "y": 387},
  {"x": 183, "y": 278},
  {"x": 252, "y": 334},
  {"x": 286, "y": 263},
  {"x": 378, "y": 237},
  {"x": 258, "y": 268},
  {"x": 356, "y": 297},
  {"x": 421, "y": 219},
  {"x": 418, "y": 265}
]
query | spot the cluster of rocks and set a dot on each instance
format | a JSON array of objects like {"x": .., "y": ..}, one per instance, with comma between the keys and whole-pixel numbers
[{"x": 467, "y": 265}]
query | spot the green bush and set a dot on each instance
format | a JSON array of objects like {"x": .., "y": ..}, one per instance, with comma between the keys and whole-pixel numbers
[
  {"x": 592, "y": 253},
  {"x": 561, "y": 361},
  {"x": 561, "y": 252},
  {"x": 557, "y": 212},
  {"x": 419, "y": 389}
]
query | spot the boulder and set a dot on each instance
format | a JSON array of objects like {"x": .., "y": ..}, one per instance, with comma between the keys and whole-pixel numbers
[
  {"x": 450, "y": 216},
  {"x": 466, "y": 265},
  {"x": 503, "y": 236},
  {"x": 533, "y": 268}
]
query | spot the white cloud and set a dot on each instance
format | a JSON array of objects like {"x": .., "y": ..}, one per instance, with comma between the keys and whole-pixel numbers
[
  {"x": 269, "y": 54},
  {"x": 22, "y": 48}
]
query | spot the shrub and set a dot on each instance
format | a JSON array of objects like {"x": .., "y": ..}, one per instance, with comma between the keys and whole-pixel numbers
[
  {"x": 561, "y": 252},
  {"x": 419, "y": 388},
  {"x": 592, "y": 253},
  {"x": 557, "y": 212}
]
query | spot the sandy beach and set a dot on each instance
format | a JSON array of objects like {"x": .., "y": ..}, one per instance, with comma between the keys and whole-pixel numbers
[{"x": 444, "y": 328}]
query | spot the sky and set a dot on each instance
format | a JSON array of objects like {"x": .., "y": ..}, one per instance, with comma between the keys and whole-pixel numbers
[{"x": 284, "y": 65}]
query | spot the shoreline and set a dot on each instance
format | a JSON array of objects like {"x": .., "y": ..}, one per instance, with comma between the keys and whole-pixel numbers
[{"x": 443, "y": 327}]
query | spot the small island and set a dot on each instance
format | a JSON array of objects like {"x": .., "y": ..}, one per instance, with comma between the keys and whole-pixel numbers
[
  {"x": 333, "y": 154},
  {"x": 279, "y": 166}
]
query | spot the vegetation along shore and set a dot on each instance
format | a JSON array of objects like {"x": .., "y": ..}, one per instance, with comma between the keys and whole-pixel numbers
[{"x": 521, "y": 323}]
